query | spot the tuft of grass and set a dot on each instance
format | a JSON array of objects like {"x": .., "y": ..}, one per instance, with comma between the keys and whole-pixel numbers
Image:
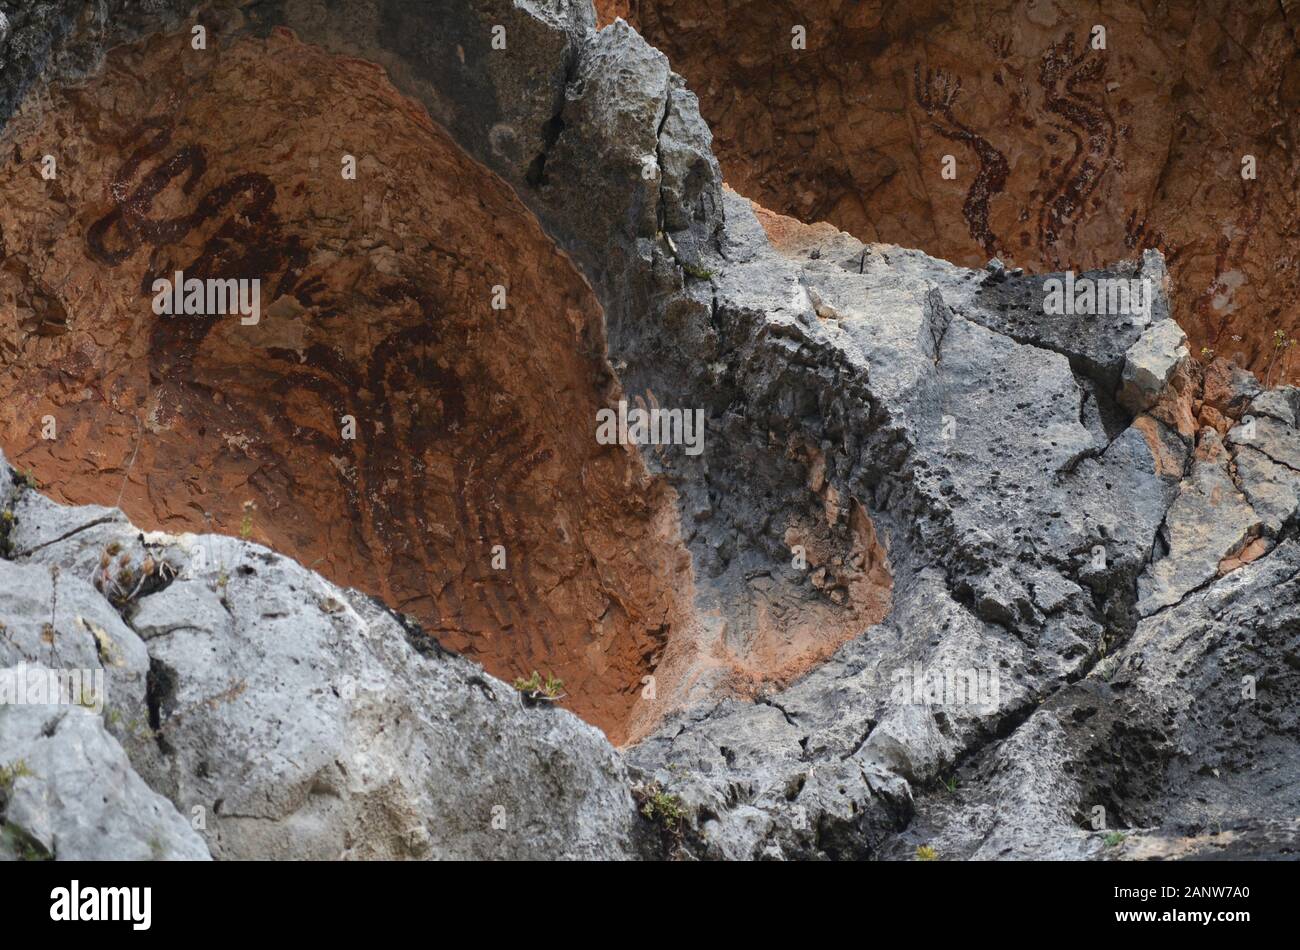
[
  {"x": 7, "y": 520},
  {"x": 526, "y": 684},
  {"x": 121, "y": 581},
  {"x": 20, "y": 845},
  {"x": 534, "y": 687},
  {"x": 1114, "y": 839},
  {"x": 695, "y": 270},
  {"x": 12, "y": 773},
  {"x": 926, "y": 853},
  {"x": 246, "y": 526}
]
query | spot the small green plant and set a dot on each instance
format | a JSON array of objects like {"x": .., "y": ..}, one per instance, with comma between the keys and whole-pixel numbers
[
  {"x": 6, "y": 529},
  {"x": 246, "y": 526},
  {"x": 12, "y": 773},
  {"x": 695, "y": 270},
  {"x": 1114, "y": 839},
  {"x": 951, "y": 783},
  {"x": 926, "y": 853},
  {"x": 21, "y": 845},
  {"x": 665, "y": 810},
  {"x": 526, "y": 684},
  {"x": 663, "y": 807},
  {"x": 535, "y": 688}
]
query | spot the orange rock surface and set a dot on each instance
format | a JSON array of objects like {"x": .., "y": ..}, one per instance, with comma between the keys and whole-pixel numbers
[
  {"x": 382, "y": 422},
  {"x": 1067, "y": 155},
  {"x": 473, "y": 426}
]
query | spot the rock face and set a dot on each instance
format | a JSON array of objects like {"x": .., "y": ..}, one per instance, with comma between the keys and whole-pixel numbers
[
  {"x": 280, "y": 715},
  {"x": 966, "y": 571},
  {"x": 1178, "y": 729},
  {"x": 67, "y": 791},
  {"x": 380, "y": 420},
  {"x": 1150, "y": 363},
  {"x": 1069, "y": 154}
]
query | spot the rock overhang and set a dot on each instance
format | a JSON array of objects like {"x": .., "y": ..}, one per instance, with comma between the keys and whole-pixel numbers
[{"x": 1030, "y": 550}]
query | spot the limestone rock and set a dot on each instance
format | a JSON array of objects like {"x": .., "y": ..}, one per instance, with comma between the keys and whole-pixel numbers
[
  {"x": 1174, "y": 738},
  {"x": 1277, "y": 440},
  {"x": 1149, "y": 365},
  {"x": 301, "y": 715},
  {"x": 1272, "y": 489},
  {"x": 1282, "y": 403},
  {"x": 299, "y": 719},
  {"x": 1068, "y": 156},
  {"x": 68, "y": 791},
  {"x": 1209, "y": 521},
  {"x": 1009, "y": 605}
]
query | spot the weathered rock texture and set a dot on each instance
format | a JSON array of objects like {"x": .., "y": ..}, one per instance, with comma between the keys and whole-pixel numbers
[
  {"x": 278, "y": 714},
  {"x": 1037, "y": 537},
  {"x": 1067, "y": 156},
  {"x": 947, "y": 588},
  {"x": 67, "y": 791},
  {"x": 472, "y": 425},
  {"x": 473, "y": 495}
]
